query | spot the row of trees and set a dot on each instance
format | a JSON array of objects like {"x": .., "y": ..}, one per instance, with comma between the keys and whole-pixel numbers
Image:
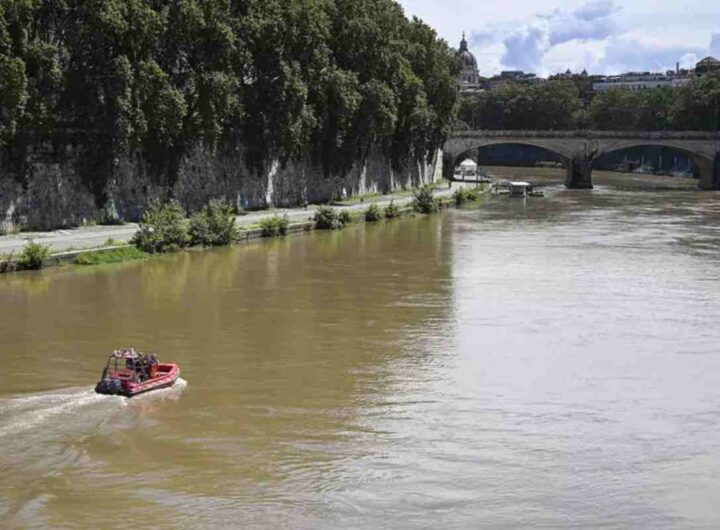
[
  {"x": 557, "y": 104},
  {"x": 285, "y": 79}
]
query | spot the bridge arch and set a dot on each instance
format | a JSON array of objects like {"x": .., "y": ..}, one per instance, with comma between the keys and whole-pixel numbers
[
  {"x": 475, "y": 153},
  {"x": 703, "y": 162},
  {"x": 455, "y": 154}
]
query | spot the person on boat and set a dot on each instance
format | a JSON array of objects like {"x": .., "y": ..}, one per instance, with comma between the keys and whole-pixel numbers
[
  {"x": 153, "y": 363},
  {"x": 144, "y": 368}
]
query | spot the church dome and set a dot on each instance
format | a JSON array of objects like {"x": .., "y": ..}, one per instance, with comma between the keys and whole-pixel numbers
[{"x": 466, "y": 57}]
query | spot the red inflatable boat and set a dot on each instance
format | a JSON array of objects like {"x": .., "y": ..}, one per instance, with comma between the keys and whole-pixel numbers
[{"x": 129, "y": 373}]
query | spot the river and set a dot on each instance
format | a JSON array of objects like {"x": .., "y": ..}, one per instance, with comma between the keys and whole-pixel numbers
[{"x": 549, "y": 363}]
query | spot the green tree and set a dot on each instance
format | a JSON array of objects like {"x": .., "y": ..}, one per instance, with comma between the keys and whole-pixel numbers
[
  {"x": 654, "y": 111},
  {"x": 697, "y": 106},
  {"x": 292, "y": 80},
  {"x": 616, "y": 110}
]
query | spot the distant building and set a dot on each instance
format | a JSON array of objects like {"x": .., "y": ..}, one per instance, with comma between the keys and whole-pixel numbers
[
  {"x": 653, "y": 81},
  {"x": 707, "y": 65},
  {"x": 643, "y": 81},
  {"x": 512, "y": 76},
  {"x": 469, "y": 79}
]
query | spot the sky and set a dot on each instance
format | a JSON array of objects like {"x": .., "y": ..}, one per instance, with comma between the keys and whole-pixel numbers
[{"x": 602, "y": 36}]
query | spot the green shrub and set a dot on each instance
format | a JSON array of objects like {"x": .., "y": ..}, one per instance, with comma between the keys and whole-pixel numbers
[
  {"x": 373, "y": 214},
  {"x": 424, "y": 202},
  {"x": 345, "y": 218},
  {"x": 275, "y": 226},
  {"x": 214, "y": 225},
  {"x": 164, "y": 228},
  {"x": 464, "y": 195},
  {"x": 327, "y": 219},
  {"x": 117, "y": 255},
  {"x": 392, "y": 211},
  {"x": 33, "y": 256}
]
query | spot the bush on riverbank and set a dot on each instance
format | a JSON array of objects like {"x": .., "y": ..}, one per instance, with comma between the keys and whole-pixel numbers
[
  {"x": 464, "y": 195},
  {"x": 345, "y": 218},
  {"x": 330, "y": 219},
  {"x": 275, "y": 226},
  {"x": 373, "y": 214},
  {"x": 213, "y": 226},
  {"x": 33, "y": 256},
  {"x": 392, "y": 211},
  {"x": 425, "y": 202},
  {"x": 164, "y": 228}
]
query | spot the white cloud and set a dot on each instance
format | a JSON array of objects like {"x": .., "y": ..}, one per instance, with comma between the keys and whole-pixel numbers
[
  {"x": 591, "y": 21},
  {"x": 527, "y": 47},
  {"x": 575, "y": 56},
  {"x": 596, "y": 9},
  {"x": 626, "y": 53},
  {"x": 602, "y": 36},
  {"x": 715, "y": 44}
]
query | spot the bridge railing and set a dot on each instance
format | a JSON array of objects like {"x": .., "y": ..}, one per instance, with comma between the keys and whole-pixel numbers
[{"x": 645, "y": 135}]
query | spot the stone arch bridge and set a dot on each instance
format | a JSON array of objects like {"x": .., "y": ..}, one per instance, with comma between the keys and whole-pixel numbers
[{"x": 578, "y": 149}]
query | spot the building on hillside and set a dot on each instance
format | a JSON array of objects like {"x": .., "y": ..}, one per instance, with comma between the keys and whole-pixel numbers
[
  {"x": 512, "y": 76},
  {"x": 643, "y": 81},
  {"x": 570, "y": 75},
  {"x": 469, "y": 79},
  {"x": 707, "y": 65}
]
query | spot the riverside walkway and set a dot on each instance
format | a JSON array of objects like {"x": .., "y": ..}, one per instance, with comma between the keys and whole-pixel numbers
[{"x": 89, "y": 237}]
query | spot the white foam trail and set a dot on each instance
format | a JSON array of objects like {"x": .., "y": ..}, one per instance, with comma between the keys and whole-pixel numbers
[{"x": 24, "y": 413}]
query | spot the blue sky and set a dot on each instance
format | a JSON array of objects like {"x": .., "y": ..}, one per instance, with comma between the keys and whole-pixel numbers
[{"x": 603, "y": 36}]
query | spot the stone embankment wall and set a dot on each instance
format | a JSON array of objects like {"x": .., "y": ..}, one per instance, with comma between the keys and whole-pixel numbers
[{"x": 54, "y": 194}]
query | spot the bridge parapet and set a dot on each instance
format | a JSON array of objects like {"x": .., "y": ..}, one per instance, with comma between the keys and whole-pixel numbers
[{"x": 587, "y": 134}]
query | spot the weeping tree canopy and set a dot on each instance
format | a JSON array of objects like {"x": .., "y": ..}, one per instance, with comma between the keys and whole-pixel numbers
[{"x": 286, "y": 79}]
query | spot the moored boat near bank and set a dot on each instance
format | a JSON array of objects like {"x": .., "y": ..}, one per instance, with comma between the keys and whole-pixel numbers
[{"x": 516, "y": 189}]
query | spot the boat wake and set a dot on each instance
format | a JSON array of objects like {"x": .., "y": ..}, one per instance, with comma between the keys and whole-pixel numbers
[
  {"x": 70, "y": 410},
  {"x": 43, "y": 434}
]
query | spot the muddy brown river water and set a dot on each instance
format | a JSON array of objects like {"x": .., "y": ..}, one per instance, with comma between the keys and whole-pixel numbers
[{"x": 550, "y": 363}]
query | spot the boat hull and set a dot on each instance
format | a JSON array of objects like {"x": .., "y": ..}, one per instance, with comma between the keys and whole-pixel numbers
[{"x": 165, "y": 376}]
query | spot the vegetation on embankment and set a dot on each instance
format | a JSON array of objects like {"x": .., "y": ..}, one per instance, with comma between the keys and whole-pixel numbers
[
  {"x": 570, "y": 104},
  {"x": 116, "y": 255},
  {"x": 373, "y": 214},
  {"x": 327, "y": 218},
  {"x": 33, "y": 256},
  {"x": 425, "y": 202},
  {"x": 275, "y": 226},
  {"x": 465, "y": 195},
  {"x": 167, "y": 228}
]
